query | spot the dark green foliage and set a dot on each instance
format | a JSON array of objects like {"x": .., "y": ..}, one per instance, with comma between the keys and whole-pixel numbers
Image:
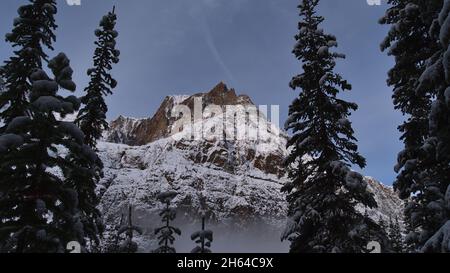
[
  {"x": 395, "y": 236},
  {"x": 436, "y": 149},
  {"x": 32, "y": 32},
  {"x": 420, "y": 80},
  {"x": 412, "y": 44},
  {"x": 324, "y": 191},
  {"x": 92, "y": 117},
  {"x": 166, "y": 232},
  {"x": 111, "y": 244},
  {"x": 128, "y": 245},
  {"x": 203, "y": 238},
  {"x": 47, "y": 174}
]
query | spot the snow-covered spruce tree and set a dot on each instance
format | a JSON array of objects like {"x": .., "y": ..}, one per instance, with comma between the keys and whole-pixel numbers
[
  {"x": 129, "y": 246},
  {"x": 411, "y": 43},
  {"x": 382, "y": 224},
  {"x": 92, "y": 117},
  {"x": 203, "y": 238},
  {"x": 2, "y": 84},
  {"x": 32, "y": 32},
  {"x": 409, "y": 246},
  {"x": 112, "y": 241},
  {"x": 436, "y": 150},
  {"x": 395, "y": 236},
  {"x": 2, "y": 90},
  {"x": 47, "y": 174},
  {"x": 166, "y": 232},
  {"x": 324, "y": 191}
]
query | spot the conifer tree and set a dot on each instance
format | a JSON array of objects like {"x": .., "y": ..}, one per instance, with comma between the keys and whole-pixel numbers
[
  {"x": 409, "y": 244},
  {"x": 92, "y": 117},
  {"x": 166, "y": 232},
  {"x": 2, "y": 90},
  {"x": 32, "y": 33},
  {"x": 47, "y": 174},
  {"x": 412, "y": 44},
  {"x": 382, "y": 224},
  {"x": 112, "y": 242},
  {"x": 129, "y": 246},
  {"x": 395, "y": 236},
  {"x": 436, "y": 150},
  {"x": 324, "y": 190},
  {"x": 2, "y": 83},
  {"x": 203, "y": 238}
]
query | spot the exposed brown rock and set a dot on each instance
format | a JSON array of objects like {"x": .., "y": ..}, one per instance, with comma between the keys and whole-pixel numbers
[
  {"x": 155, "y": 128},
  {"x": 271, "y": 163}
]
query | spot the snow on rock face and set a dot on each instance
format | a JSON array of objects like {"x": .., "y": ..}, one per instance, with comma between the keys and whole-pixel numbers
[
  {"x": 235, "y": 195},
  {"x": 122, "y": 130},
  {"x": 389, "y": 205},
  {"x": 238, "y": 181},
  {"x": 236, "y": 198},
  {"x": 143, "y": 131},
  {"x": 178, "y": 99},
  {"x": 138, "y": 174}
]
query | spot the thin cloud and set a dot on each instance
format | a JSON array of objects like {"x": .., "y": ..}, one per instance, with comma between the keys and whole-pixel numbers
[{"x": 215, "y": 52}]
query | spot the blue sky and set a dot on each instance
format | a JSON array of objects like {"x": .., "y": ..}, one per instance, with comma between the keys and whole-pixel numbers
[{"x": 187, "y": 46}]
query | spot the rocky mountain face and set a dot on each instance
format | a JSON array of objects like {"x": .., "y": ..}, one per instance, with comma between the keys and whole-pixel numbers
[
  {"x": 143, "y": 131},
  {"x": 237, "y": 181}
]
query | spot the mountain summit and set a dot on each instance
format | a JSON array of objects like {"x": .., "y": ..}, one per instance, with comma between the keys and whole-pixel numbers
[{"x": 137, "y": 132}]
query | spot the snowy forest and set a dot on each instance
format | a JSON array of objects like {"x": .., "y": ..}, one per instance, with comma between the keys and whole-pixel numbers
[{"x": 73, "y": 180}]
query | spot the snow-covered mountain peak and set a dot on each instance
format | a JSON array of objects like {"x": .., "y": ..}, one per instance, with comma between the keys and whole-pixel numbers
[
  {"x": 178, "y": 99},
  {"x": 137, "y": 132}
]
